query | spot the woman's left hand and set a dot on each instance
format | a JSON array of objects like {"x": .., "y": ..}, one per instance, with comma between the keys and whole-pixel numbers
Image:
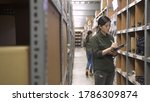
[{"x": 113, "y": 53}]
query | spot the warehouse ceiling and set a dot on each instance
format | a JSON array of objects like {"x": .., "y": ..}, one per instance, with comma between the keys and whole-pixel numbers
[{"x": 82, "y": 9}]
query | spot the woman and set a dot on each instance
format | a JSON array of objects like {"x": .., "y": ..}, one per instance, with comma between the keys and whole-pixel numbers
[
  {"x": 86, "y": 44},
  {"x": 102, "y": 45}
]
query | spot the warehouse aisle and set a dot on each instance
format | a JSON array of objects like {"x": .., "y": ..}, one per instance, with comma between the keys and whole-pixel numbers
[{"x": 79, "y": 77}]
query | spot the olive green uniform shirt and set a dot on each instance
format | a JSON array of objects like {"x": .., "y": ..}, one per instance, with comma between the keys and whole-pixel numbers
[
  {"x": 98, "y": 43},
  {"x": 86, "y": 44}
]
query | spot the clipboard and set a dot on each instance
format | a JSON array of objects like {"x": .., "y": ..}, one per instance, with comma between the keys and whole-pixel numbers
[{"x": 119, "y": 47}]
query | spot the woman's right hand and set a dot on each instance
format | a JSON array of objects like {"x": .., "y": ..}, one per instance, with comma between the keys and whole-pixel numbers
[
  {"x": 114, "y": 45},
  {"x": 111, "y": 51}
]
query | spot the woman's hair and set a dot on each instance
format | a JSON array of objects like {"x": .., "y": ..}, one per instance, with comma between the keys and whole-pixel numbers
[
  {"x": 103, "y": 20},
  {"x": 89, "y": 32},
  {"x": 88, "y": 35}
]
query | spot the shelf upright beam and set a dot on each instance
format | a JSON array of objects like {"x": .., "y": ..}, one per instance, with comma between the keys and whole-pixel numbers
[
  {"x": 68, "y": 42},
  {"x": 127, "y": 42},
  {"x": 61, "y": 44},
  {"x": 146, "y": 70},
  {"x": 37, "y": 42}
]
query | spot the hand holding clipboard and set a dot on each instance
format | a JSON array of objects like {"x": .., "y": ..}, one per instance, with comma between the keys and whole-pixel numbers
[{"x": 119, "y": 47}]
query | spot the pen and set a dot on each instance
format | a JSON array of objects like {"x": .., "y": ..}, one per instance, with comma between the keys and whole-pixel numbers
[{"x": 112, "y": 41}]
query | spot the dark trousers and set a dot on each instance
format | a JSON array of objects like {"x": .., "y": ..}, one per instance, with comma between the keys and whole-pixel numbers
[{"x": 104, "y": 78}]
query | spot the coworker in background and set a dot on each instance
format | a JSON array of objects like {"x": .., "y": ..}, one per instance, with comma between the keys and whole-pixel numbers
[
  {"x": 102, "y": 45},
  {"x": 86, "y": 44},
  {"x": 95, "y": 23}
]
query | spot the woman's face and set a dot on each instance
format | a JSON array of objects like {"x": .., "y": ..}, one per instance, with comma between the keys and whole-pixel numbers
[{"x": 105, "y": 28}]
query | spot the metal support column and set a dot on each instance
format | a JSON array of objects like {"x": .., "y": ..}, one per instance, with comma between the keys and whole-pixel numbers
[
  {"x": 128, "y": 69},
  {"x": 37, "y": 42},
  {"x": 146, "y": 38}
]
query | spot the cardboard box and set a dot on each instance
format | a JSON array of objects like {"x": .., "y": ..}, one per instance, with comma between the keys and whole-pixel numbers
[
  {"x": 133, "y": 44},
  {"x": 14, "y": 65}
]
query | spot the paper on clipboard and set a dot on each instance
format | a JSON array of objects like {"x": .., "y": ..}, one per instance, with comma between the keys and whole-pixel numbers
[{"x": 119, "y": 47}]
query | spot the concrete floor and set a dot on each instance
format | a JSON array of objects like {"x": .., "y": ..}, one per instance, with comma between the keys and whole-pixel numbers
[{"x": 79, "y": 77}]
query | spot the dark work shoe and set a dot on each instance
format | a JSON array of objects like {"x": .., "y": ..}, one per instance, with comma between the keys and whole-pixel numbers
[
  {"x": 91, "y": 72},
  {"x": 86, "y": 73}
]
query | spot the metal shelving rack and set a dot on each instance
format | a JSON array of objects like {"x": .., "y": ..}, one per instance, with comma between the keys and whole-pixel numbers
[
  {"x": 67, "y": 39},
  {"x": 38, "y": 41},
  {"x": 133, "y": 60},
  {"x": 38, "y": 37},
  {"x": 70, "y": 43}
]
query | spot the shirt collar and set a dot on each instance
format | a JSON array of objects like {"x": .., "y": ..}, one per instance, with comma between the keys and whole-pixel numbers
[{"x": 102, "y": 35}]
